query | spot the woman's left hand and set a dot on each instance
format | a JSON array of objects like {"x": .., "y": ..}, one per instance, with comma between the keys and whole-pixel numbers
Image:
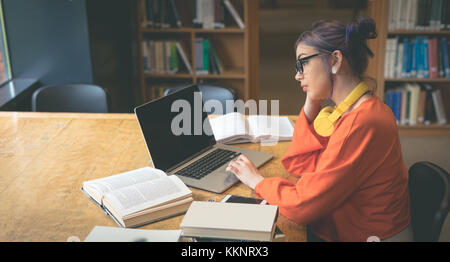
[{"x": 246, "y": 171}]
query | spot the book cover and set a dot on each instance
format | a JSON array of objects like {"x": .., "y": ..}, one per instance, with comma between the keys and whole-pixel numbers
[
  {"x": 406, "y": 65},
  {"x": 206, "y": 45},
  {"x": 446, "y": 66},
  {"x": 425, "y": 58},
  {"x": 184, "y": 57},
  {"x": 219, "y": 21},
  {"x": 397, "y": 104},
  {"x": 234, "y": 14},
  {"x": 175, "y": 14},
  {"x": 149, "y": 16},
  {"x": 230, "y": 221},
  {"x": 430, "y": 111},
  {"x": 399, "y": 62},
  {"x": 421, "y": 107},
  {"x": 414, "y": 91},
  {"x": 433, "y": 57},
  {"x": 439, "y": 106},
  {"x": 415, "y": 53}
]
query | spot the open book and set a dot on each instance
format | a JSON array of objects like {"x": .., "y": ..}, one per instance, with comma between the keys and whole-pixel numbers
[
  {"x": 139, "y": 196},
  {"x": 234, "y": 128}
]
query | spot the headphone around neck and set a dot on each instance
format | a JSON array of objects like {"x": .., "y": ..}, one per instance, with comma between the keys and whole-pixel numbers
[{"x": 324, "y": 122}]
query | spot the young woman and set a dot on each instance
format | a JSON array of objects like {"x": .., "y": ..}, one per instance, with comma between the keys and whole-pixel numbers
[{"x": 352, "y": 181}]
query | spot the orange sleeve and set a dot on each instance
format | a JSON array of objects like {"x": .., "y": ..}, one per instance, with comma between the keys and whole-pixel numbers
[
  {"x": 353, "y": 152},
  {"x": 305, "y": 147}
]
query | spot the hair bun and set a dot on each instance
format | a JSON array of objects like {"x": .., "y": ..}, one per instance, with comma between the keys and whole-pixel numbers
[{"x": 360, "y": 30}]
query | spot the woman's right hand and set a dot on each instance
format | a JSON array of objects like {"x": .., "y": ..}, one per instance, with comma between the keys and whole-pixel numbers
[{"x": 311, "y": 108}]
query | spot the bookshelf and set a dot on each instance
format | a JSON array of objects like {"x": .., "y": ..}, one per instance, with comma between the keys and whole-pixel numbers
[
  {"x": 237, "y": 48},
  {"x": 379, "y": 11}
]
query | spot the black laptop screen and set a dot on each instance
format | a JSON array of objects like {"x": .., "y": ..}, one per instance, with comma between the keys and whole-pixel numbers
[{"x": 174, "y": 127}]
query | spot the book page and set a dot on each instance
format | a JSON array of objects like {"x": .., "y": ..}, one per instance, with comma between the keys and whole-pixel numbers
[
  {"x": 270, "y": 127},
  {"x": 228, "y": 126},
  {"x": 107, "y": 184},
  {"x": 148, "y": 194}
]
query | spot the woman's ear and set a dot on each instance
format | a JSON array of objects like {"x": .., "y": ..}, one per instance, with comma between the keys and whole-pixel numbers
[{"x": 336, "y": 61}]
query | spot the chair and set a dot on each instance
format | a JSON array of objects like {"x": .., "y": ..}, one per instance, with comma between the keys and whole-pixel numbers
[
  {"x": 429, "y": 198},
  {"x": 70, "y": 98},
  {"x": 211, "y": 92}
]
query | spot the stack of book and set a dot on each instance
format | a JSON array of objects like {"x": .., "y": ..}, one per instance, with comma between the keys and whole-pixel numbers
[
  {"x": 419, "y": 57},
  {"x": 163, "y": 57},
  {"x": 412, "y": 104},
  {"x": 206, "y": 57},
  {"x": 210, "y": 14},
  {"x": 419, "y": 15},
  {"x": 159, "y": 14}
]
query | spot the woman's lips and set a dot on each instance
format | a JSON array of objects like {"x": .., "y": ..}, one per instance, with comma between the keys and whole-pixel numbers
[{"x": 304, "y": 88}]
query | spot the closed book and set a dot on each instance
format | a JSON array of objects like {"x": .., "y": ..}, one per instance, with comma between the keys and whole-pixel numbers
[
  {"x": 397, "y": 103},
  {"x": 414, "y": 90},
  {"x": 208, "y": 14},
  {"x": 406, "y": 65},
  {"x": 399, "y": 62},
  {"x": 421, "y": 107},
  {"x": 230, "y": 221},
  {"x": 175, "y": 15},
  {"x": 149, "y": 16},
  {"x": 403, "y": 107},
  {"x": 140, "y": 196},
  {"x": 219, "y": 21},
  {"x": 430, "y": 111},
  {"x": 184, "y": 57},
  {"x": 433, "y": 57},
  {"x": 439, "y": 106},
  {"x": 234, "y": 13},
  {"x": 424, "y": 57},
  {"x": 199, "y": 60},
  {"x": 391, "y": 21},
  {"x": 198, "y": 13},
  {"x": 206, "y": 45},
  {"x": 446, "y": 65},
  {"x": 173, "y": 58}
]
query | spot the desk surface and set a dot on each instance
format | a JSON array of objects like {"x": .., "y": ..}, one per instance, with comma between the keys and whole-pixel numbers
[{"x": 45, "y": 158}]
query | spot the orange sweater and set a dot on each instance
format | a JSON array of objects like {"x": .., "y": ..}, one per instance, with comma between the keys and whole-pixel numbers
[{"x": 353, "y": 184}]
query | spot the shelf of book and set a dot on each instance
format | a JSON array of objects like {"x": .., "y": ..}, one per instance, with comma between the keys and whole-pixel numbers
[
  {"x": 191, "y": 30},
  {"x": 223, "y": 51},
  {"x": 410, "y": 25},
  {"x": 419, "y": 32},
  {"x": 419, "y": 80}
]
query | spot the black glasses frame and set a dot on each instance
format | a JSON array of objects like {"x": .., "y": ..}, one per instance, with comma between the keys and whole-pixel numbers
[{"x": 301, "y": 62}]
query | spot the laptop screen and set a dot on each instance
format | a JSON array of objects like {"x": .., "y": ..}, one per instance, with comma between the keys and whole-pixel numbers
[{"x": 175, "y": 127}]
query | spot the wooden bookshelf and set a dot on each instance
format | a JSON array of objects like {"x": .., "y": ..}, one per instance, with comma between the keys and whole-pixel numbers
[
  {"x": 379, "y": 11},
  {"x": 238, "y": 48}
]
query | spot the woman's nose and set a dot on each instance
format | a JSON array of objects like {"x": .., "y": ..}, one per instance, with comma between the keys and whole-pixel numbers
[{"x": 298, "y": 76}]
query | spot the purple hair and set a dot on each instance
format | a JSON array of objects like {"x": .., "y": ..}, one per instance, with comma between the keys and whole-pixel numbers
[{"x": 351, "y": 40}]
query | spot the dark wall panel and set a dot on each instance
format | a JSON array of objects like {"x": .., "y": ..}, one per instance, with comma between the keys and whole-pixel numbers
[{"x": 48, "y": 40}]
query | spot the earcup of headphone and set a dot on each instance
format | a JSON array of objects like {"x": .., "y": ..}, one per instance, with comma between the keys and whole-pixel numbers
[{"x": 322, "y": 124}]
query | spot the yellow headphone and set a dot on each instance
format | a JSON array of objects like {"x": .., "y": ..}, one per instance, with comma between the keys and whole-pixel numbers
[{"x": 324, "y": 122}]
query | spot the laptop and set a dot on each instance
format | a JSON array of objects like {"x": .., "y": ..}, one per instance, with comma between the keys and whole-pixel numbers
[{"x": 180, "y": 142}]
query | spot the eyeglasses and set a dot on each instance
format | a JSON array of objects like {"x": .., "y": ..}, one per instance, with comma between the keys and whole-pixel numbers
[{"x": 301, "y": 62}]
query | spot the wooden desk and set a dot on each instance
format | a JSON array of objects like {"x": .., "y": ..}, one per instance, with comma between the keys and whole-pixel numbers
[{"x": 45, "y": 157}]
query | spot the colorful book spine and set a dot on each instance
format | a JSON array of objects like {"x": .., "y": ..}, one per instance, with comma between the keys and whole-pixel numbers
[{"x": 445, "y": 57}]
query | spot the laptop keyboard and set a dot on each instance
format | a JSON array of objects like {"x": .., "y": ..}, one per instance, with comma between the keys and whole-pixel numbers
[{"x": 207, "y": 164}]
